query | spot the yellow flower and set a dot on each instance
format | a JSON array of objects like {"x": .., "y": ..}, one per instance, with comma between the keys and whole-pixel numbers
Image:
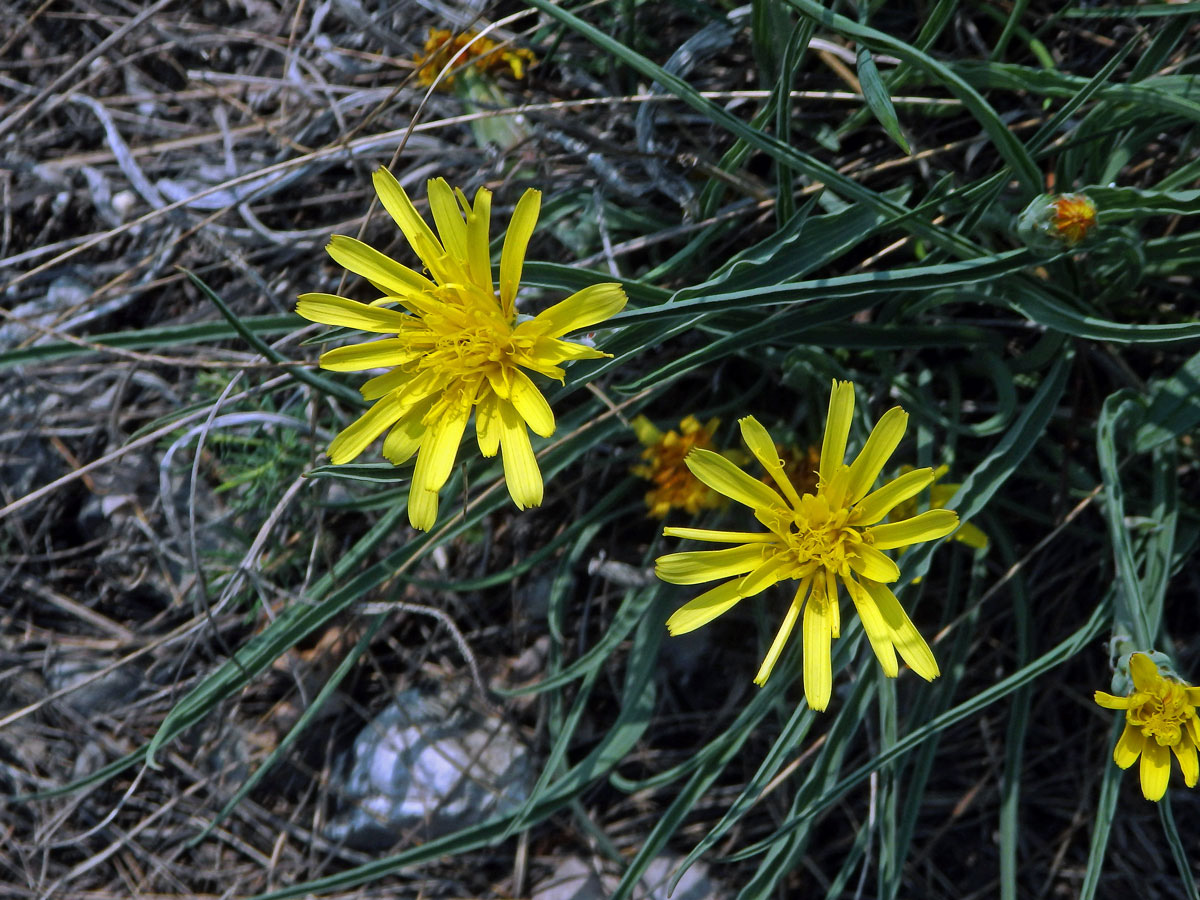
[
  {"x": 674, "y": 486},
  {"x": 459, "y": 344},
  {"x": 939, "y": 496},
  {"x": 818, "y": 539},
  {"x": 1074, "y": 217},
  {"x": 442, "y": 46},
  {"x": 1053, "y": 221},
  {"x": 1160, "y": 713}
]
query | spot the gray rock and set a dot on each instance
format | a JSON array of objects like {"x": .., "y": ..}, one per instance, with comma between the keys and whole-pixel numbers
[
  {"x": 428, "y": 765},
  {"x": 574, "y": 879},
  {"x": 108, "y": 693}
]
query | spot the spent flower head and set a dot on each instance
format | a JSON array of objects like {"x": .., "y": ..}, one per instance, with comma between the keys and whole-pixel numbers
[
  {"x": 834, "y": 534},
  {"x": 1160, "y": 718},
  {"x": 675, "y": 487},
  {"x": 459, "y": 344},
  {"x": 442, "y": 49}
]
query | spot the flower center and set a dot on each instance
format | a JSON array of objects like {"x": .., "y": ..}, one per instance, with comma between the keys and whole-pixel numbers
[
  {"x": 816, "y": 535},
  {"x": 470, "y": 338},
  {"x": 1161, "y": 714},
  {"x": 470, "y": 346}
]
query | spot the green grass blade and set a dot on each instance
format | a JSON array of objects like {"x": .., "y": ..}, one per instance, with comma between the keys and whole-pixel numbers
[
  {"x": 1117, "y": 407},
  {"x": 148, "y": 339},
  {"x": 1054, "y": 657},
  {"x": 1106, "y": 805},
  {"x": 1006, "y": 143},
  {"x": 878, "y": 101},
  {"x": 320, "y": 383},
  {"x": 1178, "y": 852}
]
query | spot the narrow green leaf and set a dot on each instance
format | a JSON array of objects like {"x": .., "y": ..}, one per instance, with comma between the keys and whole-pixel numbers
[
  {"x": 149, "y": 339},
  {"x": 1006, "y": 143},
  {"x": 915, "y": 278},
  {"x": 1058, "y": 655},
  {"x": 876, "y": 94},
  {"x": 1103, "y": 817},
  {"x": 1037, "y": 304},
  {"x": 1179, "y": 853},
  {"x": 320, "y": 383}
]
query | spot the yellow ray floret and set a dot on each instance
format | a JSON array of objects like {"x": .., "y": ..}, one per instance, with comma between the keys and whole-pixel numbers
[
  {"x": 459, "y": 346},
  {"x": 1160, "y": 719},
  {"x": 820, "y": 538}
]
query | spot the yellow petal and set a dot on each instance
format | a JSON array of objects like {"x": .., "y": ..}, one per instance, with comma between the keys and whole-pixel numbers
[
  {"x": 1185, "y": 752},
  {"x": 835, "y": 613},
  {"x": 881, "y": 444},
  {"x": 781, "y": 637},
  {"x": 1144, "y": 672},
  {"x": 410, "y": 389},
  {"x": 487, "y": 424},
  {"x": 927, "y": 526},
  {"x": 329, "y": 309},
  {"x": 877, "y": 630},
  {"x": 374, "y": 388},
  {"x": 725, "y": 478},
  {"x": 530, "y": 404},
  {"x": 450, "y": 225},
  {"x": 704, "y": 608},
  {"x": 356, "y": 357},
  {"x": 1108, "y": 701},
  {"x": 941, "y": 494},
  {"x": 818, "y": 668},
  {"x": 478, "y": 254},
  {"x": 972, "y": 536},
  {"x": 697, "y": 566},
  {"x": 381, "y": 270},
  {"x": 521, "y": 471},
  {"x": 420, "y": 236},
  {"x": 582, "y": 309},
  {"x": 359, "y": 433},
  {"x": 758, "y": 439},
  {"x": 870, "y": 563},
  {"x": 1129, "y": 746},
  {"x": 837, "y": 428},
  {"x": 439, "y": 449},
  {"x": 1155, "y": 770},
  {"x": 551, "y": 351},
  {"x": 913, "y": 648},
  {"x": 877, "y": 504},
  {"x": 720, "y": 537},
  {"x": 646, "y": 432},
  {"x": 422, "y": 508},
  {"x": 516, "y": 242},
  {"x": 405, "y": 437},
  {"x": 769, "y": 572}
]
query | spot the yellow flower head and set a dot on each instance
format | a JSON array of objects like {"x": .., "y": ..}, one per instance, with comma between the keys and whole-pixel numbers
[
  {"x": 674, "y": 486},
  {"x": 1074, "y": 217},
  {"x": 459, "y": 344},
  {"x": 442, "y": 46},
  {"x": 1160, "y": 713},
  {"x": 820, "y": 538},
  {"x": 1053, "y": 221}
]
